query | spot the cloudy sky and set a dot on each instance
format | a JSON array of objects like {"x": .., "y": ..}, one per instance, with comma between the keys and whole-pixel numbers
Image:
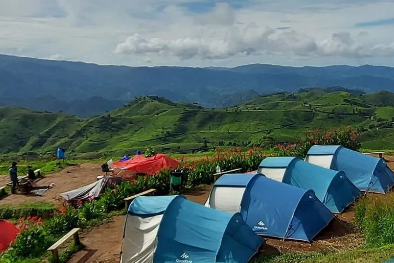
[{"x": 201, "y": 32}]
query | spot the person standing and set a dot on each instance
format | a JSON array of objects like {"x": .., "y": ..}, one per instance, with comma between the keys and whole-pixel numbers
[{"x": 13, "y": 176}]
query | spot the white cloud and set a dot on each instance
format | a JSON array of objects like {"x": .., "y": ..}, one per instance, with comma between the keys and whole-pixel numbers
[
  {"x": 222, "y": 14},
  {"x": 343, "y": 44},
  {"x": 251, "y": 40},
  {"x": 169, "y": 32}
]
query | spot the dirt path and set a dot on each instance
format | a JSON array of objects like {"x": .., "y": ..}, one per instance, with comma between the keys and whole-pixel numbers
[
  {"x": 70, "y": 178},
  {"x": 103, "y": 243}
]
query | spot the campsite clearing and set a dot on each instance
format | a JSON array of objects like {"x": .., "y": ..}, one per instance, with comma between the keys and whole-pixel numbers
[
  {"x": 339, "y": 236},
  {"x": 68, "y": 179}
]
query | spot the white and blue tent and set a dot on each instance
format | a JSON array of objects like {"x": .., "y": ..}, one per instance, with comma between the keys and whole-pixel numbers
[
  {"x": 366, "y": 172},
  {"x": 332, "y": 188},
  {"x": 173, "y": 229},
  {"x": 269, "y": 207}
]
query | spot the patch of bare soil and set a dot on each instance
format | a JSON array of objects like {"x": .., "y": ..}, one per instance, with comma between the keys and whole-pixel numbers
[
  {"x": 68, "y": 179},
  {"x": 102, "y": 243}
]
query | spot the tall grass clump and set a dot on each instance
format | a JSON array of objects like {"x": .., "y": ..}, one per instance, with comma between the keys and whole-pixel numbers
[{"x": 375, "y": 218}]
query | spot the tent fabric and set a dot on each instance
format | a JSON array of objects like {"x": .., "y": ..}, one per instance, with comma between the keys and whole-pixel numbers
[
  {"x": 92, "y": 190},
  {"x": 227, "y": 193},
  {"x": 149, "y": 206},
  {"x": 123, "y": 163},
  {"x": 331, "y": 187},
  {"x": 279, "y": 210},
  {"x": 152, "y": 165},
  {"x": 8, "y": 234},
  {"x": 174, "y": 229},
  {"x": 199, "y": 234},
  {"x": 272, "y": 208},
  {"x": 143, "y": 218},
  {"x": 373, "y": 175}
]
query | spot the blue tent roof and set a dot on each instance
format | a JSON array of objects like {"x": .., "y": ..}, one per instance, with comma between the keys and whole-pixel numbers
[
  {"x": 234, "y": 180},
  {"x": 277, "y": 162},
  {"x": 147, "y": 206},
  {"x": 275, "y": 209},
  {"x": 373, "y": 175},
  {"x": 324, "y": 149},
  {"x": 331, "y": 187},
  {"x": 200, "y": 234}
]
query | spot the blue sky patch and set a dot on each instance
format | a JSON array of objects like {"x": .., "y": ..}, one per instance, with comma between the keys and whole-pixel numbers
[
  {"x": 382, "y": 22},
  {"x": 206, "y": 6}
]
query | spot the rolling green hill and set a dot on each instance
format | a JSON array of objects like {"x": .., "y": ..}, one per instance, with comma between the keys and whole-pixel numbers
[{"x": 181, "y": 127}]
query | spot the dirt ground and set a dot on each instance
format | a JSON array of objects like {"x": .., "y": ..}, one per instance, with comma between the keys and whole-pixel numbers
[
  {"x": 103, "y": 243},
  {"x": 70, "y": 178}
]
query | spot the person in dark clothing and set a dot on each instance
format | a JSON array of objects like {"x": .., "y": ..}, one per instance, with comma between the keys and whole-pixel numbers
[
  {"x": 13, "y": 176},
  {"x": 31, "y": 176},
  {"x": 30, "y": 173}
]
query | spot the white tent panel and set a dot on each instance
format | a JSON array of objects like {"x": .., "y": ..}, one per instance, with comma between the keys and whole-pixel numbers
[
  {"x": 273, "y": 173},
  {"x": 226, "y": 198},
  {"x": 320, "y": 160},
  {"x": 140, "y": 239}
]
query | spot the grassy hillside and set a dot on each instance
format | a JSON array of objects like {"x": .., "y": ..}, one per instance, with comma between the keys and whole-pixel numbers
[{"x": 154, "y": 121}]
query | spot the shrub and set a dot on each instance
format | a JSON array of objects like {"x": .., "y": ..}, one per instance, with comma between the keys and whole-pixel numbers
[
  {"x": 375, "y": 218},
  {"x": 39, "y": 209},
  {"x": 3, "y": 193},
  {"x": 201, "y": 172},
  {"x": 344, "y": 136}
]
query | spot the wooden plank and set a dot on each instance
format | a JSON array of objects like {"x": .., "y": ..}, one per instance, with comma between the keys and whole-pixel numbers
[
  {"x": 137, "y": 195},
  {"x": 229, "y": 171},
  {"x": 63, "y": 239},
  {"x": 127, "y": 200},
  {"x": 217, "y": 175},
  {"x": 379, "y": 153},
  {"x": 55, "y": 255}
]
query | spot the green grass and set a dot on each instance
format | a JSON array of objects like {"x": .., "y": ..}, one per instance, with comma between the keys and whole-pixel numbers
[
  {"x": 39, "y": 209},
  {"x": 370, "y": 255},
  {"x": 180, "y": 127}
]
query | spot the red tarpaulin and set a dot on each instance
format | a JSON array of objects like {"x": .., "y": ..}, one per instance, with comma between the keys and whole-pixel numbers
[
  {"x": 8, "y": 233},
  {"x": 134, "y": 160},
  {"x": 153, "y": 165}
]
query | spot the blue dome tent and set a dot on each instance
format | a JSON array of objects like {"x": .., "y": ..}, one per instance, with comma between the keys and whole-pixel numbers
[
  {"x": 366, "y": 172},
  {"x": 331, "y": 187},
  {"x": 271, "y": 208},
  {"x": 173, "y": 229}
]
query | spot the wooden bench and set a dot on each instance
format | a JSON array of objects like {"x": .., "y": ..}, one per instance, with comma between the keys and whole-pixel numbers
[
  {"x": 55, "y": 247},
  {"x": 128, "y": 200},
  {"x": 217, "y": 175},
  {"x": 379, "y": 153},
  {"x": 20, "y": 178}
]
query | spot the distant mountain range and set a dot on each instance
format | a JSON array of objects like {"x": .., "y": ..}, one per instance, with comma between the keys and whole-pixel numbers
[{"x": 84, "y": 89}]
